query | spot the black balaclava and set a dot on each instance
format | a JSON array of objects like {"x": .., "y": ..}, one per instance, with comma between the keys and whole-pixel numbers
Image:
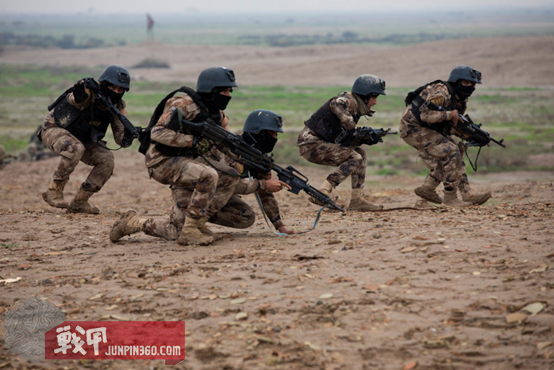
[
  {"x": 263, "y": 141},
  {"x": 214, "y": 100},
  {"x": 463, "y": 92},
  {"x": 221, "y": 101},
  {"x": 114, "y": 97}
]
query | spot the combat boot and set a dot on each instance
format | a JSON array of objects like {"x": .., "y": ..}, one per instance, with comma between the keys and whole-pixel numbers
[
  {"x": 427, "y": 190},
  {"x": 54, "y": 194},
  {"x": 475, "y": 199},
  {"x": 203, "y": 228},
  {"x": 128, "y": 224},
  {"x": 327, "y": 189},
  {"x": 359, "y": 204},
  {"x": 451, "y": 199},
  {"x": 190, "y": 233},
  {"x": 80, "y": 204}
]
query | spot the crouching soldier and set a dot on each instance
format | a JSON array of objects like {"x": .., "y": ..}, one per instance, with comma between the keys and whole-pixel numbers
[
  {"x": 428, "y": 124},
  {"x": 326, "y": 137},
  {"x": 74, "y": 128}
]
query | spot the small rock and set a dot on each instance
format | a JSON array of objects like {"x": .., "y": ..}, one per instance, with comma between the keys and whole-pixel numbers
[
  {"x": 238, "y": 301},
  {"x": 241, "y": 316}
]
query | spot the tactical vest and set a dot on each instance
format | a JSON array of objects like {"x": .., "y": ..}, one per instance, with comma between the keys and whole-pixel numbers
[
  {"x": 417, "y": 101},
  {"x": 327, "y": 125},
  {"x": 166, "y": 150},
  {"x": 88, "y": 125}
]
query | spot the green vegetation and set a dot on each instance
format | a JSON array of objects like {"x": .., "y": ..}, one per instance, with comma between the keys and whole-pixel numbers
[{"x": 523, "y": 117}]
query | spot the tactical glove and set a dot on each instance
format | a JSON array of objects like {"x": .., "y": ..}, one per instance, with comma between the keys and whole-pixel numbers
[
  {"x": 80, "y": 92},
  {"x": 372, "y": 141}
]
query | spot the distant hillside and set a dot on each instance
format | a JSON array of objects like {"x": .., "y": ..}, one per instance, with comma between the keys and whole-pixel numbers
[{"x": 504, "y": 61}]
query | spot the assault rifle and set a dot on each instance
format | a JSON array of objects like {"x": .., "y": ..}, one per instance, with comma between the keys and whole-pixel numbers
[
  {"x": 250, "y": 157},
  {"x": 477, "y": 136},
  {"x": 370, "y": 136},
  {"x": 130, "y": 132}
]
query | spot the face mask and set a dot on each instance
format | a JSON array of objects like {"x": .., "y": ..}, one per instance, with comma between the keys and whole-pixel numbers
[
  {"x": 464, "y": 92},
  {"x": 112, "y": 95},
  {"x": 262, "y": 141},
  {"x": 221, "y": 101}
]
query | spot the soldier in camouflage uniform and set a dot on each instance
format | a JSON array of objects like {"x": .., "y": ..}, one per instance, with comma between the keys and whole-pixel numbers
[
  {"x": 74, "y": 129},
  {"x": 260, "y": 130},
  {"x": 263, "y": 126},
  {"x": 173, "y": 159},
  {"x": 326, "y": 137},
  {"x": 427, "y": 124}
]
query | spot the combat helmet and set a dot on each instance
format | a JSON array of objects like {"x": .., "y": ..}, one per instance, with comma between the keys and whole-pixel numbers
[
  {"x": 213, "y": 77},
  {"x": 368, "y": 84},
  {"x": 263, "y": 119},
  {"x": 117, "y": 75},
  {"x": 465, "y": 73}
]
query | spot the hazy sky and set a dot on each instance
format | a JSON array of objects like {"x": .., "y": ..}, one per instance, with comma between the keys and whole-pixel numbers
[{"x": 169, "y": 6}]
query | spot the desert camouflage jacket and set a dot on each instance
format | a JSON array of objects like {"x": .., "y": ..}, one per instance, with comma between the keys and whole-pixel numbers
[
  {"x": 439, "y": 95},
  {"x": 258, "y": 184},
  {"x": 169, "y": 137}
]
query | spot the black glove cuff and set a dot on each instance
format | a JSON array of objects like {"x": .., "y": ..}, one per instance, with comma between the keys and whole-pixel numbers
[{"x": 79, "y": 92}]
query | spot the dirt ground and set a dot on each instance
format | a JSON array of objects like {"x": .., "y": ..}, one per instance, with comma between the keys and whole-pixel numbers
[
  {"x": 441, "y": 289},
  {"x": 436, "y": 289}
]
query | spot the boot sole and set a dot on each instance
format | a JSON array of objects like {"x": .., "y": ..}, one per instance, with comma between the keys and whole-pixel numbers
[
  {"x": 425, "y": 196},
  {"x": 93, "y": 212},
  {"x": 63, "y": 205}
]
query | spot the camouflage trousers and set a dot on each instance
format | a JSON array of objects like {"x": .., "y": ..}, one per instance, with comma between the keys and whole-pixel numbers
[
  {"x": 351, "y": 161},
  {"x": 235, "y": 213},
  {"x": 441, "y": 155},
  {"x": 198, "y": 190},
  {"x": 72, "y": 151}
]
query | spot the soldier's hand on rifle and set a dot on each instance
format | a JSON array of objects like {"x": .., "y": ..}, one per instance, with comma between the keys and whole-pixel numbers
[
  {"x": 455, "y": 117},
  {"x": 372, "y": 140},
  {"x": 283, "y": 230},
  {"x": 274, "y": 185},
  {"x": 80, "y": 92}
]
